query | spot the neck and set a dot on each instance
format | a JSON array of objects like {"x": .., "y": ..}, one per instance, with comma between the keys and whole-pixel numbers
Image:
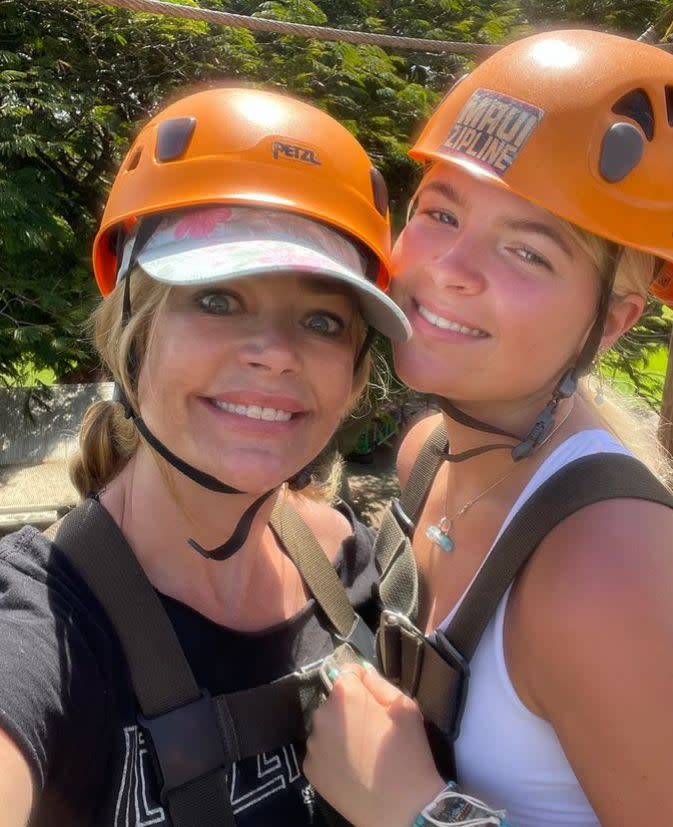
[
  {"x": 159, "y": 510},
  {"x": 514, "y": 418}
]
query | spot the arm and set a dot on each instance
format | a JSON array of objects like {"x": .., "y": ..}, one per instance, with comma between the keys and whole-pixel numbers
[
  {"x": 589, "y": 639},
  {"x": 16, "y": 784},
  {"x": 54, "y": 701}
]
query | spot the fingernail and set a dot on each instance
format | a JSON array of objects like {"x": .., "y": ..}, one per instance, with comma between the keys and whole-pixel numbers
[
  {"x": 333, "y": 673},
  {"x": 368, "y": 665}
]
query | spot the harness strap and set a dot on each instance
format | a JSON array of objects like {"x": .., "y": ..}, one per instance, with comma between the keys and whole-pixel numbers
[
  {"x": 423, "y": 472},
  {"x": 585, "y": 481},
  {"x": 441, "y": 690},
  {"x": 395, "y": 562},
  {"x": 196, "y": 738},
  {"x": 180, "y": 718},
  {"x": 322, "y": 580}
]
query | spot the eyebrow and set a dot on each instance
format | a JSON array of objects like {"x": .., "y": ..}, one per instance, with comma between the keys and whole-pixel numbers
[
  {"x": 541, "y": 228},
  {"x": 447, "y": 190},
  {"x": 523, "y": 224}
]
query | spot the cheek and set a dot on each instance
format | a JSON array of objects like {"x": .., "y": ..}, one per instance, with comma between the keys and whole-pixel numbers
[
  {"x": 177, "y": 358},
  {"x": 333, "y": 378},
  {"x": 406, "y": 249},
  {"x": 546, "y": 324}
]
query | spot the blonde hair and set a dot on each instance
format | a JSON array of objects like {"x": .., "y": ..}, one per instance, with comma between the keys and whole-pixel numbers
[
  {"x": 108, "y": 440},
  {"x": 630, "y": 423}
]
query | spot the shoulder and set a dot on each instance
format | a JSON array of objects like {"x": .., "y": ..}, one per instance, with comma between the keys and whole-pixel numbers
[
  {"x": 591, "y": 635},
  {"x": 52, "y": 686},
  {"x": 330, "y": 525},
  {"x": 598, "y": 586},
  {"x": 412, "y": 444},
  {"x": 35, "y": 573},
  {"x": 25, "y": 555}
]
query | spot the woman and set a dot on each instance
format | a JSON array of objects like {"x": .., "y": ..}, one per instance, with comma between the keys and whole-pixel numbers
[
  {"x": 529, "y": 250},
  {"x": 243, "y": 253}
]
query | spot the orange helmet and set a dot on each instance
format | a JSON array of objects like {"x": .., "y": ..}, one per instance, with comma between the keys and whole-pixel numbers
[
  {"x": 578, "y": 122},
  {"x": 247, "y": 147}
]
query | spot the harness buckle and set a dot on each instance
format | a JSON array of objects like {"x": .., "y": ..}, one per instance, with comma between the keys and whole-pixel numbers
[
  {"x": 430, "y": 669},
  {"x": 390, "y": 648},
  {"x": 187, "y": 742},
  {"x": 448, "y": 652}
]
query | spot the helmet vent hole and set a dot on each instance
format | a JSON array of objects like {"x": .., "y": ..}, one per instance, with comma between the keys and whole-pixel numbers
[
  {"x": 637, "y": 106},
  {"x": 173, "y": 137},
  {"x": 134, "y": 161},
  {"x": 669, "y": 104},
  {"x": 379, "y": 191}
]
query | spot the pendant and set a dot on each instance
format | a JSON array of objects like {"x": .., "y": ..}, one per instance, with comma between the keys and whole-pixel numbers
[{"x": 440, "y": 538}]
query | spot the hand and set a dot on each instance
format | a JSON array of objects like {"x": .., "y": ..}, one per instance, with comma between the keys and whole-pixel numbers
[{"x": 368, "y": 754}]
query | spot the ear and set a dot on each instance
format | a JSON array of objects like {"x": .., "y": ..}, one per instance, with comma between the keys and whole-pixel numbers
[{"x": 623, "y": 313}]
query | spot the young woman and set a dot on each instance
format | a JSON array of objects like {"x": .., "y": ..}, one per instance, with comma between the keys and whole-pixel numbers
[
  {"x": 531, "y": 245},
  {"x": 243, "y": 253}
]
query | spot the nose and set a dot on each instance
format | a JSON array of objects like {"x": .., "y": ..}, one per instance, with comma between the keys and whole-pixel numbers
[
  {"x": 459, "y": 264},
  {"x": 272, "y": 347}
]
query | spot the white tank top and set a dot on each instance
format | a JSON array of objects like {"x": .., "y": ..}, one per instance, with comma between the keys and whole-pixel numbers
[{"x": 506, "y": 755}]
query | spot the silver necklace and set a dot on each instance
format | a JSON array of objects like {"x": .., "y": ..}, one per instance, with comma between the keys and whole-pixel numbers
[{"x": 440, "y": 533}]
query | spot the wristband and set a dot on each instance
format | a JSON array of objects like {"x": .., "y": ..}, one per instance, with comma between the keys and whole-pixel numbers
[{"x": 451, "y": 806}]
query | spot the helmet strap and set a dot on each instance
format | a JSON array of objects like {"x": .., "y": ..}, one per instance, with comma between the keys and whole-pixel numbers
[
  {"x": 565, "y": 388},
  {"x": 146, "y": 226},
  {"x": 364, "y": 349}
]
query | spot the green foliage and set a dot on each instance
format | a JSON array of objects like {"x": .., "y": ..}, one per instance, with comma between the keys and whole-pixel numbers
[
  {"x": 77, "y": 79},
  {"x": 636, "y": 361},
  {"x": 630, "y": 17}
]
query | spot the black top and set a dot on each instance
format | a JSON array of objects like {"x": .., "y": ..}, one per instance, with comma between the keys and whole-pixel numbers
[{"x": 66, "y": 695}]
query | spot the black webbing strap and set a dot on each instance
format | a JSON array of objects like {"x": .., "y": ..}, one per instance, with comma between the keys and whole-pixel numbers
[
  {"x": 196, "y": 738},
  {"x": 93, "y": 543},
  {"x": 322, "y": 580},
  {"x": 441, "y": 688},
  {"x": 581, "y": 483},
  {"x": 423, "y": 472},
  {"x": 182, "y": 721},
  {"x": 270, "y": 716},
  {"x": 395, "y": 563}
]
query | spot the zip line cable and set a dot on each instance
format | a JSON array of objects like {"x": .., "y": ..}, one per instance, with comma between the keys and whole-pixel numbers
[{"x": 258, "y": 24}]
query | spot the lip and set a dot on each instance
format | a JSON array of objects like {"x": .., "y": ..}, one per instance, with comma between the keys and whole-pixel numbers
[{"x": 426, "y": 328}]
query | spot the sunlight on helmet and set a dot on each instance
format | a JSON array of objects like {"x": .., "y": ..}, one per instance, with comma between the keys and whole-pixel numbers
[
  {"x": 261, "y": 198},
  {"x": 553, "y": 53},
  {"x": 266, "y": 112}
]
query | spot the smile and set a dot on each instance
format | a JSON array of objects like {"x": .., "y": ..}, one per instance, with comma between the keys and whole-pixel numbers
[
  {"x": 447, "y": 324},
  {"x": 254, "y": 411}
]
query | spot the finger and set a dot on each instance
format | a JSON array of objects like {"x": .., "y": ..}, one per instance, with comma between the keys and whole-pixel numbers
[
  {"x": 344, "y": 670},
  {"x": 384, "y": 692}
]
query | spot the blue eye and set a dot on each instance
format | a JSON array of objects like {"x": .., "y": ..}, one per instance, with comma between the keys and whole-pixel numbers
[
  {"x": 324, "y": 324},
  {"x": 529, "y": 257},
  {"x": 443, "y": 217},
  {"x": 218, "y": 303}
]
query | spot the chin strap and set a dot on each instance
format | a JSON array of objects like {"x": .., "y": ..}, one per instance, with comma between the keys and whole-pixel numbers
[
  {"x": 465, "y": 419},
  {"x": 145, "y": 228},
  {"x": 525, "y": 447},
  {"x": 564, "y": 389}
]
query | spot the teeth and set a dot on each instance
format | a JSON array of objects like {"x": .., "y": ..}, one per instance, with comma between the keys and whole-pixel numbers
[
  {"x": 445, "y": 324},
  {"x": 254, "y": 411}
]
